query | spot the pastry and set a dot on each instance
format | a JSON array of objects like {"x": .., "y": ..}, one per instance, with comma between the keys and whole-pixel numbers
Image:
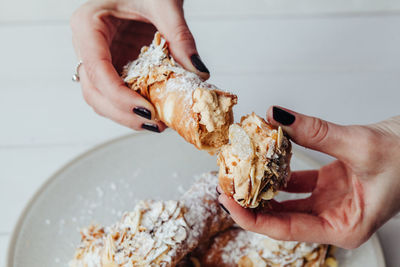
[
  {"x": 156, "y": 233},
  {"x": 237, "y": 247},
  {"x": 255, "y": 163},
  {"x": 197, "y": 110},
  {"x": 192, "y": 231}
]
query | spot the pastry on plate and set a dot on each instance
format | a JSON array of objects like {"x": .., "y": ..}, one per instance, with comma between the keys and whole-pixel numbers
[
  {"x": 256, "y": 162},
  {"x": 197, "y": 110},
  {"x": 156, "y": 233},
  {"x": 237, "y": 247}
]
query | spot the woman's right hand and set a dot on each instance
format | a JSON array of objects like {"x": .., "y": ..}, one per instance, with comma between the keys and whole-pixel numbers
[{"x": 108, "y": 34}]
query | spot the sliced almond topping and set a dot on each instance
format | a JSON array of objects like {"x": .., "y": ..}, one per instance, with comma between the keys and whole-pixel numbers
[
  {"x": 312, "y": 256},
  {"x": 144, "y": 49},
  {"x": 241, "y": 142},
  {"x": 280, "y": 137},
  {"x": 245, "y": 262},
  {"x": 157, "y": 39}
]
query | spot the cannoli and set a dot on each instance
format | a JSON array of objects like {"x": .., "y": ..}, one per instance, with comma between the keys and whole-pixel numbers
[
  {"x": 197, "y": 110},
  {"x": 237, "y": 247},
  {"x": 256, "y": 162},
  {"x": 156, "y": 233}
]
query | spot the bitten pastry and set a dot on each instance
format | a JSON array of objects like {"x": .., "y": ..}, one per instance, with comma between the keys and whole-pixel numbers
[
  {"x": 156, "y": 233},
  {"x": 237, "y": 247},
  {"x": 197, "y": 110},
  {"x": 256, "y": 162}
]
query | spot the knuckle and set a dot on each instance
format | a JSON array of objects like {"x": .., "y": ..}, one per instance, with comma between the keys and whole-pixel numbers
[
  {"x": 114, "y": 96},
  {"x": 125, "y": 120},
  {"x": 75, "y": 17},
  {"x": 183, "y": 34},
  {"x": 369, "y": 144},
  {"x": 87, "y": 96},
  {"x": 351, "y": 243},
  {"x": 353, "y": 239},
  {"x": 134, "y": 125},
  {"x": 246, "y": 226},
  {"x": 290, "y": 230},
  {"x": 84, "y": 14},
  {"x": 319, "y": 130},
  {"x": 78, "y": 16},
  {"x": 90, "y": 71},
  {"x": 98, "y": 111}
]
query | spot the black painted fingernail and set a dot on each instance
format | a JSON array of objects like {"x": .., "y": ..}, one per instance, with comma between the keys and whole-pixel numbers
[
  {"x": 198, "y": 64},
  {"x": 216, "y": 189},
  {"x": 223, "y": 207},
  {"x": 150, "y": 127},
  {"x": 142, "y": 112},
  {"x": 282, "y": 116}
]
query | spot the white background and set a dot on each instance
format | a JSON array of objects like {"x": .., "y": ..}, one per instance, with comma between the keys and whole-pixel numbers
[{"x": 339, "y": 60}]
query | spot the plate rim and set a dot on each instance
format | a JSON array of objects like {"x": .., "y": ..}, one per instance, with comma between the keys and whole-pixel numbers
[
  {"x": 376, "y": 244},
  {"x": 22, "y": 216}
]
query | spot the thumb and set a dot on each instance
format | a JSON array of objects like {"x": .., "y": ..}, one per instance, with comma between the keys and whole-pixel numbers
[
  {"x": 171, "y": 23},
  {"x": 389, "y": 127},
  {"x": 312, "y": 132}
]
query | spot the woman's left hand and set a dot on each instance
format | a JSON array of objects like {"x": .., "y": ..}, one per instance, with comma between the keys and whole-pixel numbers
[{"x": 350, "y": 197}]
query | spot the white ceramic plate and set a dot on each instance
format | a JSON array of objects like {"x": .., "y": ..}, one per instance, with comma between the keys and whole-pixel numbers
[{"x": 102, "y": 183}]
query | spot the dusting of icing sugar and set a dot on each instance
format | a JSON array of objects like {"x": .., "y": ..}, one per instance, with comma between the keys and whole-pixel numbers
[
  {"x": 277, "y": 252},
  {"x": 158, "y": 233},
  {"x": 184, "y": 81},
  {"x": 150, "y": 230},
  {"x": 147, "y": 60},
  {"x": 200, "y": 201}
]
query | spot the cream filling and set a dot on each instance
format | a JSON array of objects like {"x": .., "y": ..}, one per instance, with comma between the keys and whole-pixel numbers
[
  {"x": 239, "y": 157},
  {"x": 211, "y": 107}
]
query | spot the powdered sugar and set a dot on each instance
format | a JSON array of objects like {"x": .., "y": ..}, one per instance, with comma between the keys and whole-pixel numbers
[
  {"x": 270, "y": 250},
  {"x": 202, "y": 207},
  {"x": 157, "y": 55},
  {"x": 158, "y": 233},
  {"x": 147, "y": 60}
]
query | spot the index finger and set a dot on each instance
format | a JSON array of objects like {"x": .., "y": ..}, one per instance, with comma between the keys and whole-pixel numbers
[
  {"x": 90, "y": 31},
  {"x": 302, "y": 181},
  {"x": 289, "y": 226}
]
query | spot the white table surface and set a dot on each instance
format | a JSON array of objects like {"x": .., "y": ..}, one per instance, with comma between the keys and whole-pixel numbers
[{"x": 343, "y": 66}]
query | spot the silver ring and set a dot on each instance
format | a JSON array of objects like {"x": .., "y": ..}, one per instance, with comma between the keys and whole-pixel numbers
[{"x": 76, "y": 77}]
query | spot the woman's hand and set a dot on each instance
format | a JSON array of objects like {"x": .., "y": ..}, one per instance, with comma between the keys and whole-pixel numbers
[
  {"x": 351, "y": 197},
  {"x": 107, "y": 34}
]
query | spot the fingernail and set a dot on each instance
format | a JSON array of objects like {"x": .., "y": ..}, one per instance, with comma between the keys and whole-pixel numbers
[
  {"x": 198, "y": 64},
  {"x": 223, "y": 207},
  {"x": 150, "y": 127},
  {"x": 142, "y": 112},
  {"x": 282, "y": 116},
  {"x": 216, "y": 189}
]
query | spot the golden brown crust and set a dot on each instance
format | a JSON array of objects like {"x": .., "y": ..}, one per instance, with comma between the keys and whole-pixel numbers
[
  {"x": 171, "y": 89},
  {"x": 183, "y": 120}
]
